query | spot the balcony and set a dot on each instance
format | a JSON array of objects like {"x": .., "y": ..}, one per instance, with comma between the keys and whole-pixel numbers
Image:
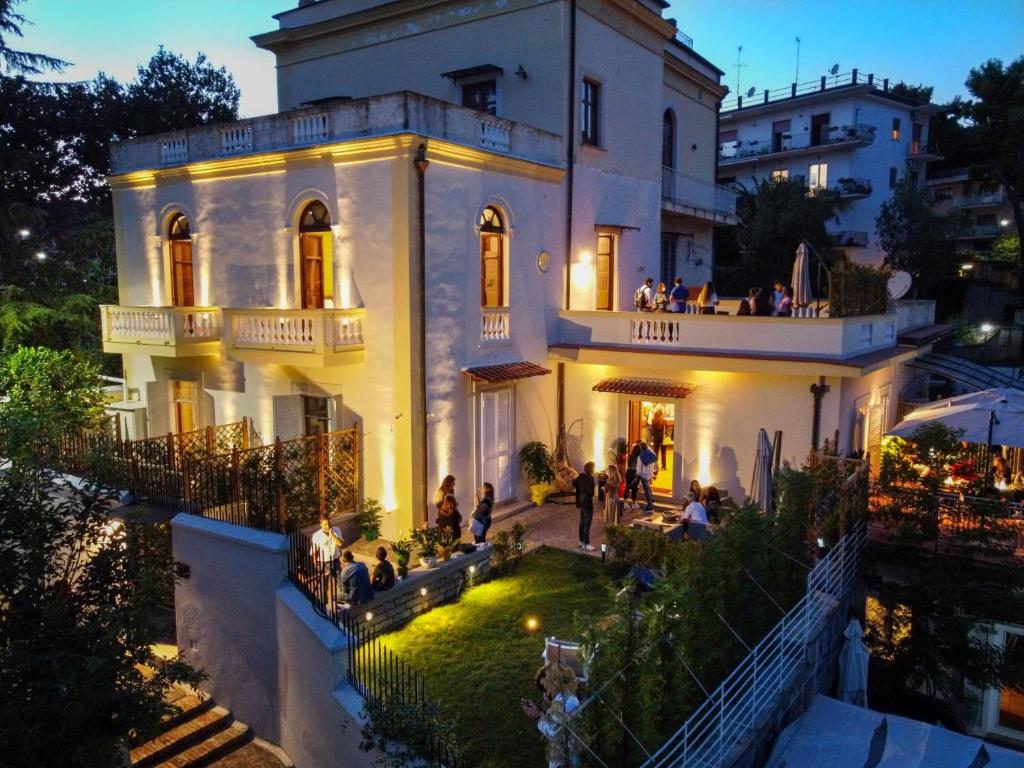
[
  {"x": 376, "y": 116},
  {"x": 682, "y": 193},
  {"x": 161, "y": 331},
  {"x": 919, "y": 151},
  {"x": 761, "y": 337},
  {"x": 848, "y": 238},
  {"x": 993, "y": 199},
  {"x": 808, "y": 142},
  {"x": 494, "y": 327},
  {"x": 312, "y": 338},
  {"x": 852, "y": 189},
  {"x": 980, "y": 232}
]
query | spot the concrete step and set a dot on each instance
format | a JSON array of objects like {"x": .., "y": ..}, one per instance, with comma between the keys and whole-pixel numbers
[
  {"x": 211, "y": 749},
  {"x": 192, "y": 727},
  {"x": 189, "y": 705}
]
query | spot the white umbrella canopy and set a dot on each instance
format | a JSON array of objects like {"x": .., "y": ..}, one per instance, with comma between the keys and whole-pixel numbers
[
  {"x": 853, "y": 666},
  {"x": 999, "y": 410},
  {"x": 761, "y": 483},
  {"x": 801, "y": 279}
]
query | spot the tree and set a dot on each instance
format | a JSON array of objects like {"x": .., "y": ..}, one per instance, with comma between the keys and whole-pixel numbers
[
  {"x": 774, "y": 216},
  {"x": 915, "y": 94},
  {"x": 915, "y": 238},
  {"x": 1006, "y": 248},
  {"x": 997, "y": 123},
  {"x": 21, "y": 62}
]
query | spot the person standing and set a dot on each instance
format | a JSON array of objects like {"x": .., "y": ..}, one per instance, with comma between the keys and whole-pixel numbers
[
  {"x": 326, "y": 546},
  {"x": 632, "y": 481},
  {"x": 585, "y": 485},
  {"x": 450, "y": 519},
  {"x": 778, "y": 292},
  {"x": 661, "y": 298},
  {"x": 643, "y": 298},
  {"x": 611, "y": 495},
  {"x": 482, "y": 514},
  {"x": 678, "y": 296},
  {"x": 785, "y": 306},
  {"x": 658, "y": 432},
  {"x": 355, "y": 581},
  {"x": 447, "y": 489},
  {"x": 707, "y": 301},
  {"x": 646, "y": 469}
]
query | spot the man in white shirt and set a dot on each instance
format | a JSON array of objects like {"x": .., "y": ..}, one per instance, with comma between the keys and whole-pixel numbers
[
  {"x": 643, "y": 298},
  {"x": 326, "y": 547},
  {"x": 695, "y": 513}
]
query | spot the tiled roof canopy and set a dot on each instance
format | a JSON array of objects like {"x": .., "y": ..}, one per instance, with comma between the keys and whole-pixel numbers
[
  {"x": 645, "y": 387},
  {"x": 495, "y": 374}
]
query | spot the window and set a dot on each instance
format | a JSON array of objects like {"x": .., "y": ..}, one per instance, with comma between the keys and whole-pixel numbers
[
  {"x": 820, "y": 129},
  {"x": 913, "y": 178},
  {"x": 605, "y": 276},
  {"x": 669, "y": 245},
  {"x": 817, "y": 180},
  {"x": 481, "y": 96},
  {"x": 986, "y": 220},
  {"x": 179, "y": 237},
  {"x": 315, "y": 256},
  {"x": 728, "y": 143},
  {"x": 316, "y": 415},
  {"x": 893, "y": 178},
  {"x": 589, "y": 122},
  {"x": 668, "y": 140},
  {"x": 895, "y": 129},
  {"x": 780, "y": 175},
  {"x": 916, "y": 136},
  {"x": 780, "y": 135},
  {"x": 492, "y": 259}
]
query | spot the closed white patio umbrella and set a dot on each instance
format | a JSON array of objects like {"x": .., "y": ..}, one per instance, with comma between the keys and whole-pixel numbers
[
  {"x": 761, "y": 483},
  {"x": 853, "y": 666},
  {"x": 990, "y": 417},
  {"x": 801, "y": 279}
]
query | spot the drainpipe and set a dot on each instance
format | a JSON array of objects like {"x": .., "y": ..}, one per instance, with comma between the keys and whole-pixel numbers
[
  {"x": 570, "y": 159},
  {"x": 421, "y": 164},
  {"x": 818, "y": 390}
]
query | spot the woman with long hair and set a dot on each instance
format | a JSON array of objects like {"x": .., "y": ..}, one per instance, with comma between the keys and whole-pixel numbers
[
  {"x": 449, "y": 517},
  {"x": 482, "y": 514},
  {"x": 707, "y": 300},
  {"x": 446, "y": 489}
]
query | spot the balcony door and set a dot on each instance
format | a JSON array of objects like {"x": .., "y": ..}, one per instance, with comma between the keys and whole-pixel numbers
[
  {"x": 819, "y": 129},
  {"x": 179, "y": 239},
  {"x": 492, "y": 259},
  {"x": 314, "y": 256},
  {"x": 496, "y": 438},
  {"x": 605, "y": 273}
]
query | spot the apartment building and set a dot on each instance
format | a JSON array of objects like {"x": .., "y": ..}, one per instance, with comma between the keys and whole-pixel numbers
[
  {"x": 437, "y": 240},
  {"x": 849, "y": 133},
  {"x": 988, "y": 212}
]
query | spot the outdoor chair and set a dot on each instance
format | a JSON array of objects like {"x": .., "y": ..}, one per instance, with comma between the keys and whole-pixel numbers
[{"x": 565, "y": 652}]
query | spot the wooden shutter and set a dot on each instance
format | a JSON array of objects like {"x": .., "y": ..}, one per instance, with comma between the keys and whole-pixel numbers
[
  {"x": 312, "y": 271},
  {"x": 875, "y": 429},
  {"x": 158, "y": 407},
  {"x": 491, "y": 271},
  {"x": 182, "y": 282},
  {"x": 288, "y": 417},
  {"x": 605, "y": 277}
]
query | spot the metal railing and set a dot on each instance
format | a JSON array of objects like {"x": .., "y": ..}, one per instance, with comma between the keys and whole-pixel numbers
[
  {"x": 824, "y": 136},
  {"x": 824, "y": 83},
  {"x": 759, "y": 683},
  {"x": 978, "y": 201},
  {"x": 700, "y": 194}
]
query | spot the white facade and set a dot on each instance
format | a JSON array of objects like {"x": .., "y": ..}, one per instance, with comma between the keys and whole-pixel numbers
[
  {"x": 303, "y": 249},
  {"x": 846, "y": 133}
]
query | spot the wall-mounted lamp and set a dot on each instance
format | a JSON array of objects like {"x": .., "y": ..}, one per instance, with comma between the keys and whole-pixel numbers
[{"x": 521, "y": 73}]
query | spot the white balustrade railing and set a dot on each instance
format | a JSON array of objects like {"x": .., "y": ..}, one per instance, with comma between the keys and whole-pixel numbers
[
  {"x": 494, "y": 324},
  {"x": 173, "y": 151},
  {"x": 495, "y": 136},
  {"x": 307, "y": 129},
  {"x": 315, "y": 331},
  {"x": 348, "y": 331},
  {"x": 236, "y": 141},
  {"x": 165, "y": 325}
]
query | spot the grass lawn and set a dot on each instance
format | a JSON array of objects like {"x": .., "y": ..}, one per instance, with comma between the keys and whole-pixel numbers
[{"x": 479, "y": 659}]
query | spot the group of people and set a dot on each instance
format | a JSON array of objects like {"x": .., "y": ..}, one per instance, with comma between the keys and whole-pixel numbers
[
  {"x": 703, "y": 504},
  {"x": 356, "y": 583},
  {"x": 647, "y": 298},
  {"x": 778, "y": 302},
  {"x": 449, "y": 517}
]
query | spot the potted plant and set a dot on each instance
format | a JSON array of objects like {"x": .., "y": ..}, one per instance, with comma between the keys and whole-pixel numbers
[
  {"x": 618, "y": 451},
  {"x": 427, "y": 538},
  {"x": 403, "y": 551},
  {"x": 539, "y": 466},
  {"x": 369, "y": 519},
  {"x": 446, "y": 544}
]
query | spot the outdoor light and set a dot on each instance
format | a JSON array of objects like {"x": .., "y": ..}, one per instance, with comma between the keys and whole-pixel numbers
[
  {"x": 1004, "y": 222},
  {"x": 987, "y": 328},
  {"x": 369, "y": 615},
  {"x": 821, "y": 543},
  {"x": 423, "y": 591},
  {"x": 24, "y": 232},
  {"x": 604, "y": 552},
  {"x": 40, "y": 255},
  {"x": 472, "y": 569},
  {"x": 532, "y": 623},
  {"x": 966, "y": 266}
]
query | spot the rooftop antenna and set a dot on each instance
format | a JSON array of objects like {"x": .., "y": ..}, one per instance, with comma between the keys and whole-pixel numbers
[
  {"x": 796, "y": 77},
  {"x": 738, "y": 65}
]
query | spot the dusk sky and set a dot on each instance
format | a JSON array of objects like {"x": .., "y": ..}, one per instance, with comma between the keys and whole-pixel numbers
[{"x": 933, "y": 42}]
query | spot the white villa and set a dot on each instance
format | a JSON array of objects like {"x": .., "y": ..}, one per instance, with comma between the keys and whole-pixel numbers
[
  {"x": 849, "y": 133},
  {"x": 438, "y": 237}
]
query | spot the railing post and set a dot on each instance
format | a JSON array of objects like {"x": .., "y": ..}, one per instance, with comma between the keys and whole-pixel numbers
[
  {"x": 246, "y": 427},
  {"x": 279, "y": 490},
  {"x": 210, "y": 439}
]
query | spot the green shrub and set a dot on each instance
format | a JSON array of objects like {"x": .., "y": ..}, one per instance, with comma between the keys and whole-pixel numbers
[
  {"x": 507, "y": 549},
  {"x": 537, "y": 462},
  {"x": 856, "y": 290}
]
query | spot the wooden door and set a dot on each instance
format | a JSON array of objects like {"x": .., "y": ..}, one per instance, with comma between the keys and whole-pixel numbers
[
  {"x": 492, "y": 270},
  {"x": 496, "y": 438},
  {"x": 312, "y": 271},
  {"x": 182, "y": 283},
  {"x": 605, "y": 277},
  {"x": 183, "y": 396}
]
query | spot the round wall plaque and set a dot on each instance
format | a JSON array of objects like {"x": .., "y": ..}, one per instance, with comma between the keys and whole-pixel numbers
[{"x": 543, "y": 262}]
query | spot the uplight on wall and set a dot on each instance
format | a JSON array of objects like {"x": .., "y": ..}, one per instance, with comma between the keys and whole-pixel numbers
[{"x": 581, "y": 279}]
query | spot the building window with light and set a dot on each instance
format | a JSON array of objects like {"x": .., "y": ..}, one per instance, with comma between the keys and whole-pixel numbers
[
  {"x": 315, "y": 270},
  {"x": 591, "y": 112},
  {"x": 179, "y": 238},
  {"x": 895, "y": 129},
  {"x": 316, "y": 415},
  {"x": 817, "y": 178},
  {"x": 781, "y": 174},
  {"x": 492, "y": 258}
]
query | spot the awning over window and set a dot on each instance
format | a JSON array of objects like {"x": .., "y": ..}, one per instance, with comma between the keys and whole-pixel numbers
[
  {"x": 726, "y": 136},
  {"x": 644, "y": 387},
  {"x": 483, "y": 69},
  {"x": 495, "y": 374}
]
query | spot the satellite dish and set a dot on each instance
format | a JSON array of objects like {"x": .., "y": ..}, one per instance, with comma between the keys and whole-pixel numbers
[
  {"x": 835, "y": 68},
  {"x": 751, "y": 91},
  {"x": 899, "y": 284}
]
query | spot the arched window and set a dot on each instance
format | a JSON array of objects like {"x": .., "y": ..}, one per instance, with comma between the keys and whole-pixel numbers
[
  {"x": 179, "y": 237},
  {"x": 314, "y": 255},
  {"x": 492, "y": 258},
  {"x": 668, "y": 140}
]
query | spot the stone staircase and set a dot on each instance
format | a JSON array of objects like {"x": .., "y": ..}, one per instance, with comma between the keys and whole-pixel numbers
[{"x": 200, "y": 734}]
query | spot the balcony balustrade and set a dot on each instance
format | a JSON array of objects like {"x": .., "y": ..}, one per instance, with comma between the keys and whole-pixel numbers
[
  {"x": 315, "y": 338},
  {"x": 742, "y": 151},
  {"x": 684, "y": 193},
  {"x": 161, "y": 331},
  {"x": 851, "y": 188},
  {"x": 992, "y": 199},
  {"x": 494, "y": 327}
]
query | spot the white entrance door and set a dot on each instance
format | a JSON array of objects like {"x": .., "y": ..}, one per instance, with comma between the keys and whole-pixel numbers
[{"x": 496, "y": 439}]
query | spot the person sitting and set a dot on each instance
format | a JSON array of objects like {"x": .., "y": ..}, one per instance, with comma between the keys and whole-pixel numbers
[
  {"x": 707, "y": 300},
  {"x": 748, "y": 305},
  {"x": 383, "y": 577},
  {"x": 712, "y": 502},
  {"x": 355, "y": 581},
  {"x": 695, "y": 491},
  {"x": 785, "y": 306},
  {"x": 450, "y": 519},
  {"x": 695, "y": 520},
  {"x": 764, "y": 304}
]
